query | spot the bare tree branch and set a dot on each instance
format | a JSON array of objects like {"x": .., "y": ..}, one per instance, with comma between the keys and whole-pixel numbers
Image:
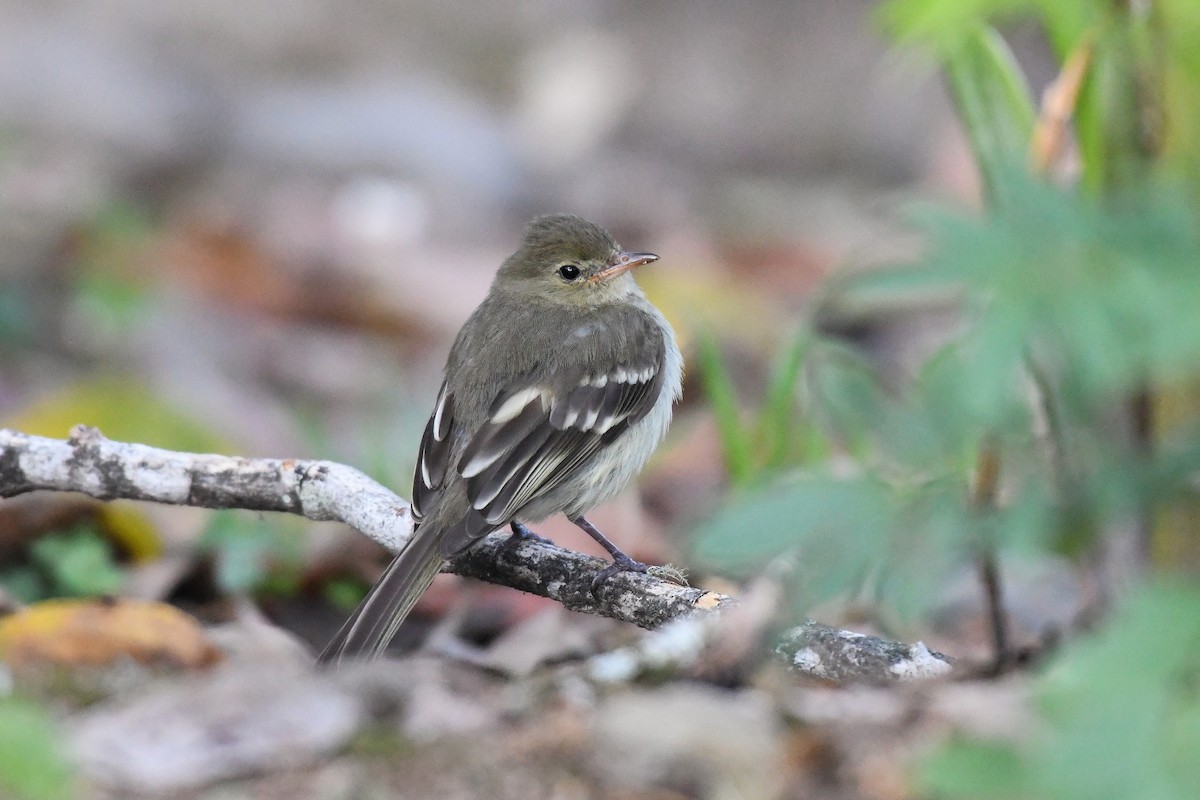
[
  {"x": 822, "y": 651},
  {"x": 107, "y": 470},
  {"x": 322, "y": 490}
]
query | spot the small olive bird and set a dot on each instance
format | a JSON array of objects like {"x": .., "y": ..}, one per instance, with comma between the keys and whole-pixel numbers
[{"x": 557, "y": 390}]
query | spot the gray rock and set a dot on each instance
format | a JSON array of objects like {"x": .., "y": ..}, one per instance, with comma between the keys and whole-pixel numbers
[
  {"x": 695, "y": 739},
  {"x": 191, "y": 732},
  {"x": 550, "y": 636}
]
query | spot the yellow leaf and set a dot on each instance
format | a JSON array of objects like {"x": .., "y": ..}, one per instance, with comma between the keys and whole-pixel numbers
[
  {"x": 85, "y": 633},
  {"x": 131, "y": 530}
]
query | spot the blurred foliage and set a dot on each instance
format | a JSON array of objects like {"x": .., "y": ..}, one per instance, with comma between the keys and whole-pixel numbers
[
  {"x": 131, "y": 530},
  {"x": 16, "y": 318},
  {"x": 108, "y": 304},
  {"x": 775, "y": 436},
  {"x": 122, "y": 409},
  {"x": 110, "y": 293},
  {"x": 995, "y": 107},
  {"x": 1074, "y": 300},
  {"x": 32, "y": 763},
  {"x": 1121, "y": 711},
  {"x": 344, "y": 593},
  {"x": 1140, "y": 48},
  {"x": 79, "y": 562},
  {"x": 255, "y": 553},
  {"x": 1103, "y": 294}
]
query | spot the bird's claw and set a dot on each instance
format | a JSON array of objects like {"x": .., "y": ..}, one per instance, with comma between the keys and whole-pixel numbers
[{"x": 621, "y": 563}]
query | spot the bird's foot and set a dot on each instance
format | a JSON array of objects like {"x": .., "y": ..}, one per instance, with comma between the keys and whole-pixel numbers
[
  {"x": 621, "y": 563},
  {"x": 521, "y": 533}
]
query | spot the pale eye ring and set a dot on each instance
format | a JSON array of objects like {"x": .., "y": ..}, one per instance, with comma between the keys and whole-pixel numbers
[{"x": 569, "y": 272}]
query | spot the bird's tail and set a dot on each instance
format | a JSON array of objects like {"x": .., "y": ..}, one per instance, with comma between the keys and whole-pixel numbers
[{"x": 373, "y": 624}]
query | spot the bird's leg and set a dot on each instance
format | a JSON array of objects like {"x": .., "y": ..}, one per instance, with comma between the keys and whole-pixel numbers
[
  {"x": 621, "y": 562},
  {"x": 521, "y": 533}
]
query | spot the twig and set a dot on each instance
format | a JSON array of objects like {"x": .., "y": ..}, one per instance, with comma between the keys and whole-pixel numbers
[
  {"x": 1052, "y": 130},
  {"x": 321, "y": 490},
  {"x": 820, "y": 651},
  {"x": 727, "y": 647},
  {"x": 107, "y": 470},
  {"x": 983, "y": 500}
]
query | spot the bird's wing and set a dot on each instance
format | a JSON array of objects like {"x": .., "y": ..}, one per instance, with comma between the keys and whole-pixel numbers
[
  {"x": 433, "y": 457},
  {"x": 539, "y": 432}
]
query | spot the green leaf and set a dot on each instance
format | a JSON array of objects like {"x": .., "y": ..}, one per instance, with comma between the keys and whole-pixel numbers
[
  {"x": 933, "y": 535},
  {"x": 1179, "y": 27},
  {"x": 941, "y": 23},
  {"x": 250, "y": 548},
  {"x": 1107, "y": 291},
  {"x": 964, "y": 768},
  {"x": 777, "y": 420},
  {"x": 844, "y": 394},
  {"x": 1108, "y": 114},
  {"x": 79, "y": 563},
  {"x": 833, "y": 527},
  {"x": 994, "y": 106},
  {"x": 344, "y": 593},
  {"x": 944, "y": 24},
  {"x": 736, "y": 442},
  {"x": 1112, "y": 702},
  {"x": 32, "y": 763},
  {"x": 25, "y": 583}
]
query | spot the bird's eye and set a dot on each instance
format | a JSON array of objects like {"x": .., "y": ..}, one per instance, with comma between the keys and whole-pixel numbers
[{"x": 569, "y": 271}]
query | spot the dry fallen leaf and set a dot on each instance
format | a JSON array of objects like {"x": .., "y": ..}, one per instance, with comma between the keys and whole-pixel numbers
[{"x": 71, "y": 633}]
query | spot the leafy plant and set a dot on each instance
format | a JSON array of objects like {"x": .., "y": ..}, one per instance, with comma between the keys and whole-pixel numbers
[
  {"x": 1074, "y": 300},
  {"x": 1079, "y": 304}
]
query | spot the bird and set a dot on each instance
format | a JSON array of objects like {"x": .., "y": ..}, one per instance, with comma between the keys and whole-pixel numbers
[{"x": 556, "y": 391}]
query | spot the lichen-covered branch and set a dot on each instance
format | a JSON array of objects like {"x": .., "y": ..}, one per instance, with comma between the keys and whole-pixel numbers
[
  {"x": 321, "y": 490},
  {"x": 692, "y": 646},
  {"x": 822, "y": 651},
  {"x": 566, "y": 576},
  {"x": 107, "y": 470}
]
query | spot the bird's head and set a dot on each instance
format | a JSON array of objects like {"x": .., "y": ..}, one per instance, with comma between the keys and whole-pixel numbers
[{"x": 566, "y": 259}]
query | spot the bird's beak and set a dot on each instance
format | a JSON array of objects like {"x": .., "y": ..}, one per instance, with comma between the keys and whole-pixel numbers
[{"x": 623, "y": 263}]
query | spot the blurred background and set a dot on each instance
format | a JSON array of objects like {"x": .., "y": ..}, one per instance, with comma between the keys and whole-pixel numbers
[
  {"x": 254, "y": 228},
  {"x": 927, "y": 395}
]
